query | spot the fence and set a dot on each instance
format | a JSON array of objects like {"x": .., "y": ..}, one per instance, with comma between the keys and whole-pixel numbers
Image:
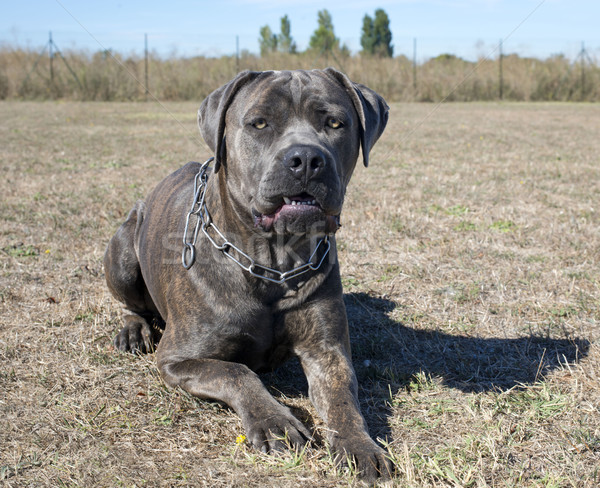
[{"x": 80, "y": 75}]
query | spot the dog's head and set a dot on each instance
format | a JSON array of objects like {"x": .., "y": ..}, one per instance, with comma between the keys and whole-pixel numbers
[{"x": 288, "y": 141}]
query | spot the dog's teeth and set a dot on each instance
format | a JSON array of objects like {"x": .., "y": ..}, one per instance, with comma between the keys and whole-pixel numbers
[{"x": 289, "y": 201}]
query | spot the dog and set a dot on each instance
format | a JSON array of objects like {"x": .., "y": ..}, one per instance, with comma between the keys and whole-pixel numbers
[{"x": 259, "y": 280}]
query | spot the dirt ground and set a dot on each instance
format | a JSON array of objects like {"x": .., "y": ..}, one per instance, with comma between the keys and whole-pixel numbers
[{"x": 470, "y": 255}]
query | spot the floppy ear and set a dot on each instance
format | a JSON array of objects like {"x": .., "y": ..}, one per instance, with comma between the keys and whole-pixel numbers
[
  {"x": 372, "y": 111},
  {"x": 212, "y": 112}
]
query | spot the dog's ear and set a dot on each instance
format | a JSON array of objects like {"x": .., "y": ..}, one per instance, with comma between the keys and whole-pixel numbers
[
  {"x": 212, "y": 112},
  {"x": 372, "y": 111}
]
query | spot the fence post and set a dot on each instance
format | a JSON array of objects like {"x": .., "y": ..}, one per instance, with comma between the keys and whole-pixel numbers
[
  {"x": 415, "y": 66},
  {"x": 51, "y": 57},
  {"x": 146, "y": 64},
  {"x": 500, "y": 74},
  {"x": 582, "y": 71},
  {"x": 237, "y": 54}
]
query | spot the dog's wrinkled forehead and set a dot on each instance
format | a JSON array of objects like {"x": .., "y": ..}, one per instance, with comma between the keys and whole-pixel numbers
[
  {"x": 297, "y": 82},
  {"x": 293, "y": 90}
]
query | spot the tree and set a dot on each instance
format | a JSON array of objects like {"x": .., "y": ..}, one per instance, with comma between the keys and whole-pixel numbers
[
  {"x": 367, "y": 38},
  {"x": 376, "y": 35},
  {"x": 285, "y": 42},
  {"x": 270, "y": 42},
  {"x": 267, "y": 41},
  {"x": 323, "y": 39},
  {"x": 383, "y": 34}
]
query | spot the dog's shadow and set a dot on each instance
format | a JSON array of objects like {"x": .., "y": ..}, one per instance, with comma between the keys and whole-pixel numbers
[{"x": 388, "y": 355}]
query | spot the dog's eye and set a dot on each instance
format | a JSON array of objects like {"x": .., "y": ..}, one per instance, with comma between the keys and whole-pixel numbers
[
  {"x": 334, "y": 123},
  {"x": 260, "y": 124}
]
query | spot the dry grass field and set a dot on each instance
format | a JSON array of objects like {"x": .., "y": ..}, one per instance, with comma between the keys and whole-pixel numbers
[{"x": 470, "y": 255}]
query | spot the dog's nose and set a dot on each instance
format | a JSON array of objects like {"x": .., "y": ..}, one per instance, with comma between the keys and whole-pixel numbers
[{"x": 305, "y": 162}]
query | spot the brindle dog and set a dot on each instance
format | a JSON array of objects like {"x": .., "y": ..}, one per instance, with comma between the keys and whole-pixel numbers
[{"x": 285, "y": 145}]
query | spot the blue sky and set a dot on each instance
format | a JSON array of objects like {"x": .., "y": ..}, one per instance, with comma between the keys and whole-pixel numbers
[{"x": 468, "y": 28}]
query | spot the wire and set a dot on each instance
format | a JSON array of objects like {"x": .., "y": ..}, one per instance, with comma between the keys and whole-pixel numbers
[
  {"x": 459, "y": 84},
  {"x": 116, "y": 60}
]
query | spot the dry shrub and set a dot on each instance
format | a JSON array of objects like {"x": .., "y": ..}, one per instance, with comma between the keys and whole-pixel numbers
[{"x": 109, "y": 76}]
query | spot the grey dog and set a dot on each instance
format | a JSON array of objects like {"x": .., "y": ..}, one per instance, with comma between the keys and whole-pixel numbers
[{"x": 260, "y": 278}]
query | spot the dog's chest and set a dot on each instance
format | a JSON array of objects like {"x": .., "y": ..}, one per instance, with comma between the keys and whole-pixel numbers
[{"x": 254, "y": 336}]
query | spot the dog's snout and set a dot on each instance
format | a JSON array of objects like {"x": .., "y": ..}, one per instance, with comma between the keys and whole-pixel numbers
[{"x": 305, "y": 162}]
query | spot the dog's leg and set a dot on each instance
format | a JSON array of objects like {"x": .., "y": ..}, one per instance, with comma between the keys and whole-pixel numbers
[
  {"x": 124, "y": 279},
  {"x": 265, "y": 421},
  {"x": 324, "y": 352}
]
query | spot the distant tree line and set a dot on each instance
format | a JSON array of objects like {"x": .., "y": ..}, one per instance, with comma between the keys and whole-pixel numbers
[{"x": 376, "y": 36}]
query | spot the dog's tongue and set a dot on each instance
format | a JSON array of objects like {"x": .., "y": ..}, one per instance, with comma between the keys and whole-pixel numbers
[
  {"x": 297, "y": 207},
  {"x": 266, "y": 222}
]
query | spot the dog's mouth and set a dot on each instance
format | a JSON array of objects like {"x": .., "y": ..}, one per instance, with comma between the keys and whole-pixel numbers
[
  {"x": 304, "y": 200},
  {"x": 294, "y": 209}
]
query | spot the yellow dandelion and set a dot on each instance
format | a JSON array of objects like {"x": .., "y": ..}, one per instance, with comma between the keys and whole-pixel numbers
[
  {"x": 47, "y": 251},
  {"x": 240, "y": 439}
]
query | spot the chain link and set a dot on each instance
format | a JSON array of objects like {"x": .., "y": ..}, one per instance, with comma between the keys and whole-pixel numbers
[{"x": 204, "y": 222}]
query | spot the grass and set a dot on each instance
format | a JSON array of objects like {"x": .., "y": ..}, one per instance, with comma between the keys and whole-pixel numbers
[{"x": 470, "y": 261}]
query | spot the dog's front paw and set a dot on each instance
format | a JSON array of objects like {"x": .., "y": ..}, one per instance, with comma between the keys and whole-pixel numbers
[
  {"x": 370, "y": 460},
  {"x": 275, "y": 429},
  {"x": 137, "y": 336}
]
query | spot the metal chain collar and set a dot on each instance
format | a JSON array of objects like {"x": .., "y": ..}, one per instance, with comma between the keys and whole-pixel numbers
[{"x": 204, "y": 222}]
